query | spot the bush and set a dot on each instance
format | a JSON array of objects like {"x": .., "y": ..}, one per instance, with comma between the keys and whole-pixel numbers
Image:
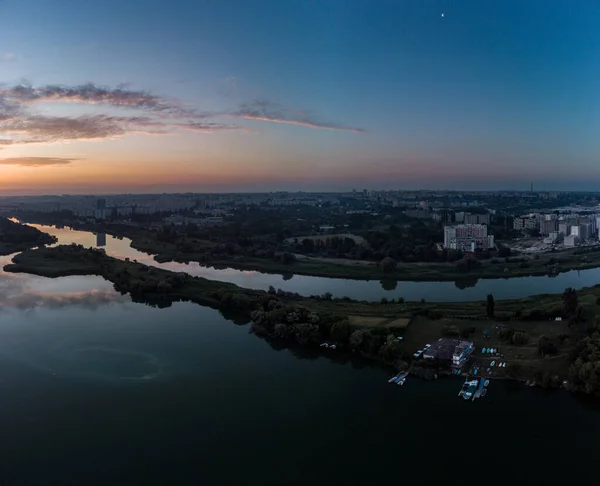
[
  {"x": 451, "y": 331},
  {"x": 514, "y": 370},
  {"x": 546, "y": 346},
  {"x": 505, "y": 334},
  {"x": 520, "y": 338},
  {"x": 340, "y": 332},
  {"x": 387, "y": 265}
]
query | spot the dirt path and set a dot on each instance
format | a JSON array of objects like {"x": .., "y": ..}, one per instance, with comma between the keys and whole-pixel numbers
[{"x": 339, "y": 261}]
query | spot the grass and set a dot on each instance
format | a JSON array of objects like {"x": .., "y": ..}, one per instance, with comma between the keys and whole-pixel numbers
[{"x": 364, "y": 321}]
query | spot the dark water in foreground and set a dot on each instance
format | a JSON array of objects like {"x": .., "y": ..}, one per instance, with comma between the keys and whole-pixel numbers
[
  {"x": 95, "y": 389},
  {"x": 110, "y": 392}
]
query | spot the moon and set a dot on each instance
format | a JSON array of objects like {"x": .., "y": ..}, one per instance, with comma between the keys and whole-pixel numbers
[{"x": 442, "y": 15}]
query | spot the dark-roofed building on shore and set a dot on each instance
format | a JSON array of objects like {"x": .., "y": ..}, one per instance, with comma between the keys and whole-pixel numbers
[{"x": 453, "y": 350}]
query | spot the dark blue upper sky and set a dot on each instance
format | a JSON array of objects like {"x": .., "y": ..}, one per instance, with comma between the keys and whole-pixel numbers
[{"x": 339, "y": 94}]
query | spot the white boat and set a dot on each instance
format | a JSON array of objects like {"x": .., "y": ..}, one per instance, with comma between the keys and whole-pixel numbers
[
  {"x": 333, "y": 346},
  {"x": 492, "y": 364},
  {"x": 324, "y": 345},
  {"x": 427, "y": 346},
  {"x": 468, "y": 394}
]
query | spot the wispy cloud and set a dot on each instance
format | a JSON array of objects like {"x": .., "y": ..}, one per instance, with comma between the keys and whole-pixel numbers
[
  {"x": 94, "y": 94},
  {"x": 37, "y": 161},
  {"x": 21, "y": 124},
  {"x": 161, "y": 116},
  {"x": 267, "y": 111},
  {"x": 8, "y": 57}
]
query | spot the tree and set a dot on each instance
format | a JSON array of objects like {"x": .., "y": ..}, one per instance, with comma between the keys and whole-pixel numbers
[
  {"x": 520, "y": 338},
  {"x": 513, "y": 370},
  {"x": 546, "y": 346},
  {"x": 308, "y": 245},
  {"x": 339, "y": 332},
  {"x": 570, "y": 301},
  {"x": 490, "y": 306},
  {"x": 387, "y": 265},
  {"x": 388, "y": 284},
  {"x": 288, "y": 258}
]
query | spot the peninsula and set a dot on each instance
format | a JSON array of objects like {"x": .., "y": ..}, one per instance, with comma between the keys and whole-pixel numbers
[{"x": 15, "y": 237}]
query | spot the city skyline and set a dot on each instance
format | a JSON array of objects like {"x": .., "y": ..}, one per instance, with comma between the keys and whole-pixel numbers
[{"x": 231, "y": 97}]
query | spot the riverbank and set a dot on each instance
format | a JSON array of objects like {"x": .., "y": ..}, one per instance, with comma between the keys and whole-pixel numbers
[
  {"x": 187, "y": 250},
  {"x": 370, "y": 329},
  {"x": 15, "y": 237}
]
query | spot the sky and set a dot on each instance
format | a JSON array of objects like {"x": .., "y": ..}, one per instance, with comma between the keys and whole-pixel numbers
[{"x": 328, "y": 95}]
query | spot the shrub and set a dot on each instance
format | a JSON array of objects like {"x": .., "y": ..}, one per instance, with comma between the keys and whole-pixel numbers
[
  {"x": 520, "y": 338},
  {"x": 451, "y": 331}
]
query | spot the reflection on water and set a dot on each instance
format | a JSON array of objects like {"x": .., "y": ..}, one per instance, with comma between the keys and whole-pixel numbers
[
  {"x": 464, "y": 290},
  {"x": 22, "y": 291}
]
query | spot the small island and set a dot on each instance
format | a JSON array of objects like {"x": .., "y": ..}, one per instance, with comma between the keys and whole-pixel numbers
[
  {"x": 545, "y": 339},
  {"x": 15, "y": 237}
]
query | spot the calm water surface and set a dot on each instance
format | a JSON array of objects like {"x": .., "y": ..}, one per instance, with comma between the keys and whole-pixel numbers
[
  {"x": 96, "y": 389},
  {"x": 356, "y": 289}
]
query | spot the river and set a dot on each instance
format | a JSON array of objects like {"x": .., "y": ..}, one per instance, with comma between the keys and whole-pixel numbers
[
  {"x": 357, "y": 289},
  {"x": 97, "y": 389}
]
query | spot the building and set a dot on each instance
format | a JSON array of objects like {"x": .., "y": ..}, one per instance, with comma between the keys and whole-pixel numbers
[
  {"x": 563, "y": 228},
  {"x": 418, "y": 213},
  {"x": 553, "y": 238},
  {"x": 524, "y": 223},
  {"x": 477, "y": 218},
  {"x": 467, "y": 237},
  {"x": 571, "y": 240},
  {"x": 548, "y": 226},
  {"x": 586, "y": 231},
  {"x": 453, "y": 350},
  {"x": 101, "y": 239}
]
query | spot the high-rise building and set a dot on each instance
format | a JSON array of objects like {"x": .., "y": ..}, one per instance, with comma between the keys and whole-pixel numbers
[
  {"x": 101, "y": 204},
  {"x": 547, "y": 227},
  {"x": 563, "y": 228},
  {"x": 586, "y": 231}
]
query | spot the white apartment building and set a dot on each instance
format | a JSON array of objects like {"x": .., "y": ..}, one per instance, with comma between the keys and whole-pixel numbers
[{"x": 467, "y": 237}]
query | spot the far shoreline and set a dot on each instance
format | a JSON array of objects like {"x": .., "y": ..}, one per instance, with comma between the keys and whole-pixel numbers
[{"x": 405, "y": 272}]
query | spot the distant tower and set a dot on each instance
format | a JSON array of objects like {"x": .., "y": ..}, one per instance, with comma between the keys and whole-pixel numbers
[{"x": 532, "y": 187}]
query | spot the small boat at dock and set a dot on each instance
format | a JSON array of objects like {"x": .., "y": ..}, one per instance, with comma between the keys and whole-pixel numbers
[
  {"x": 470, "y": 391},
  {"x": 400, "y": 377}
]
